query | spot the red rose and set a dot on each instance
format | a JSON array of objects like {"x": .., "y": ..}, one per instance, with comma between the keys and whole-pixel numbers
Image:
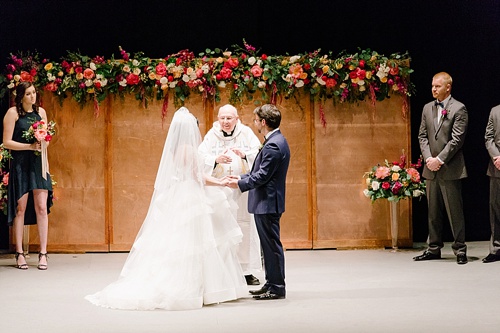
[
  {"x": 264, "y": 57},
  {"x": 386, "y": 185},
  {"x": 178, "y": 61},
  {"x": 307, "y": 67},
  {"x": 394, "y": 70},
  {"x": 132, "y": 79},
  {"x": 232, "y": 62},
  {"x": 25, "y": 76},
  {"x": 48, "y": 137},
  {"x": 353, "y": 75},
  {"x": 362, "y": 63},
  {"x": 397, "y": 186},
  {"x": 226, "y": 73},
  {"x": 170, "y": 78},
  {"x": 78, "y": 69},
  {"x": 97, "y": 85},
  {"x": 51, "y": 86},
  {"x": 33, "y": 72},
  {"x": 330, "y": 82},
  {"x": 361, "y": 74},
  {"x": 9, "y": 77},
  {"x": 243, "y": 56}
]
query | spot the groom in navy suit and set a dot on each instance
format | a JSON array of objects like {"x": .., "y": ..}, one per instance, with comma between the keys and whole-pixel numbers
[{"x": 266, "y": 198}]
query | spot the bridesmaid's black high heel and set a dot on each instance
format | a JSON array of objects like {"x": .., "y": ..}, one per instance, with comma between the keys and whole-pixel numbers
[
  {"x": 22, "y": 266},
  {"x": 42, "y": 267}
]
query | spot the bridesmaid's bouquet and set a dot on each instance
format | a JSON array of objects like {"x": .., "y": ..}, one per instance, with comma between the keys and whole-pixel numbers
[{"x": 39, "y": 131}]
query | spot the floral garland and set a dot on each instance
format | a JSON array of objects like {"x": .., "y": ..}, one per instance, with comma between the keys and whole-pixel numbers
[{"x": 346, "y": 78}]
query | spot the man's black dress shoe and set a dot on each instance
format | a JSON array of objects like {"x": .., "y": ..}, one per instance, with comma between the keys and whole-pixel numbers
[
  {"x": 461, "y": 258},
  {"x": 427, "y": 256},
  {"x": 491, "y": 258},
  {"x": 252, "y": 280},
  {"x": 260, "y": 291},
  {"x": 268, "y": 295}
]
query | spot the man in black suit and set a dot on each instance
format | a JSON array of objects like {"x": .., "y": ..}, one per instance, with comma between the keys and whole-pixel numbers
[
  {"x": 266, "y": 184},
  {"x": 492, "y": 141},
  {"x": 441, "y": 136}
]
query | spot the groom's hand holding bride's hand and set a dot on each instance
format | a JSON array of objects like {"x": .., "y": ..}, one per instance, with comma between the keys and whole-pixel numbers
[{"x": 232, "y": 181}]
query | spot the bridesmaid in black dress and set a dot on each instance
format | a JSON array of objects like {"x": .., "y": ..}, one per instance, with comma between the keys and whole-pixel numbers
[{"x": 29, "y": 193}]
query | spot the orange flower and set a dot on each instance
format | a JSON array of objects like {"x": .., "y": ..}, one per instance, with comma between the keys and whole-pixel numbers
[
  {"x": 414, "y": 175},
  {"x": 88, "y": 73}
]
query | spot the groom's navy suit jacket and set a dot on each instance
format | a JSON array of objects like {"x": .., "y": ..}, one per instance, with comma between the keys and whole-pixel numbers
[{"x": 267, "y": 179}]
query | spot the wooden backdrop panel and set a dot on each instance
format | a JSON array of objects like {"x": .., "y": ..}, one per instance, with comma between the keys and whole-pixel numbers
[
  {"x": 106, "y": 167},
  {"x": 357, "y": 137},
  {"x": 77, "y": 158}
]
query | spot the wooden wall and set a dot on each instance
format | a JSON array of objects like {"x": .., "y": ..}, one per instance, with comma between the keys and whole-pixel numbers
[{"x": 106, "y": 166}]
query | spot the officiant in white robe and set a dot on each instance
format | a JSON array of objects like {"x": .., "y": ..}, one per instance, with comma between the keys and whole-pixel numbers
[{"x": 230, "y": 148}]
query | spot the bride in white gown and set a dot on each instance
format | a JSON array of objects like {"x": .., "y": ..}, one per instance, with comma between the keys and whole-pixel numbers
[{"x": 185, "y": 254}]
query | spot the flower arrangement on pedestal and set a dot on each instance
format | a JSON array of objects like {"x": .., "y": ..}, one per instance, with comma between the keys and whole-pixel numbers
[{"x": 394, "y": 181}]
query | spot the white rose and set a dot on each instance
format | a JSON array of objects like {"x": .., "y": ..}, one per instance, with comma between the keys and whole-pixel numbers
[
  {"x": 366, "y": 193},
  {"x": 93, "y": 66},
  {"x": 395, "y": 168},
  {"x": 164, "y": 80},
  {"x": 11, "y": 85},
  {"x": 251, "y": 61},
  {"x": 126, "y": 69},
  {"x": 222, "y": 84},
  {"x": 320, "y": 81},
  {"x": 299, "y": 84},
  {"x": 135, "y": 62},
  {"x": 89, "y": 83},
  {"x": 375, "y": 185},
  {"x": 261, "y": 84},
  {"x": 17, "y": 77},
  {"x": 185, "y": 78},
  {"x": 123, "y": 83},
  {"x": 104, "y": 82},
  {"x": 137, "y": 71},
  {"x": 294, "y": 59}
]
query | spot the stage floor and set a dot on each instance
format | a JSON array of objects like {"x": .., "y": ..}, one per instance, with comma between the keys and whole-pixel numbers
[{"x": 327, "y": 291}]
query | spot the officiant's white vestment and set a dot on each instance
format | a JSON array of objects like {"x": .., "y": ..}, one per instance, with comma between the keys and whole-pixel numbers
[{"x": 215, "y": 144}]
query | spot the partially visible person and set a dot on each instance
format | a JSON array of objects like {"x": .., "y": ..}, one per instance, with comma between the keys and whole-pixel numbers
[
  {"x": 29, "y": 192},
  {"x": 229, "y": 148},
  {"x": 266, "y": 183},
  {"x": 492, "y": 142},
  {"x": 442, "y": 135},
  {"x": 185, "y": 254}
]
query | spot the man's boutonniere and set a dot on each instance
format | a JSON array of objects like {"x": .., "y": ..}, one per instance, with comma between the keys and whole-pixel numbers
[
  {"x": 261, "y": 146},
  {"x": 444, "y": 113}
]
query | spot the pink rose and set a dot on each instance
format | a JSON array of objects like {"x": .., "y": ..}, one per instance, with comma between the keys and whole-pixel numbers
[
  {"x": 161, "y": 69},
  {"x": 256, "y": 71},
  {"x": 199, "y": 73},
  {"x": 386, "y": 185},
  {"x": 397, "y": 186},
  {"x": 40, "y": 134},
  {"x": 88, "y": 73},
  {"x": 226, "y": 73},
  {"x": 414, "y": 175},
  {"x": 52, "y": 86},
  {"x": 382, "y": 172}
]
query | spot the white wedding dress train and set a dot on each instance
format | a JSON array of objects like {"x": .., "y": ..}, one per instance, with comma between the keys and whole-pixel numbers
[{"x": 185, "y": 254}]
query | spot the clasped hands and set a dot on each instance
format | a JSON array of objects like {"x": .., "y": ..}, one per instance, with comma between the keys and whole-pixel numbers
[
  {"x": 230, "y": 181},
  {"x": 433, "y": 163},
  {"x": 496, "y": 162}
]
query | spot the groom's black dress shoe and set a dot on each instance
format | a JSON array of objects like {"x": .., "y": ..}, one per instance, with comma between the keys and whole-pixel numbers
[
  {"x": 461, "y": 258},
  {"x": 268, "y": 295},
  {"x": 260, "y": 291},
  {"x": 491, "y": 258},
  {"x": 428, "y": 256},
  {"x": 252, "y": 280}
]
